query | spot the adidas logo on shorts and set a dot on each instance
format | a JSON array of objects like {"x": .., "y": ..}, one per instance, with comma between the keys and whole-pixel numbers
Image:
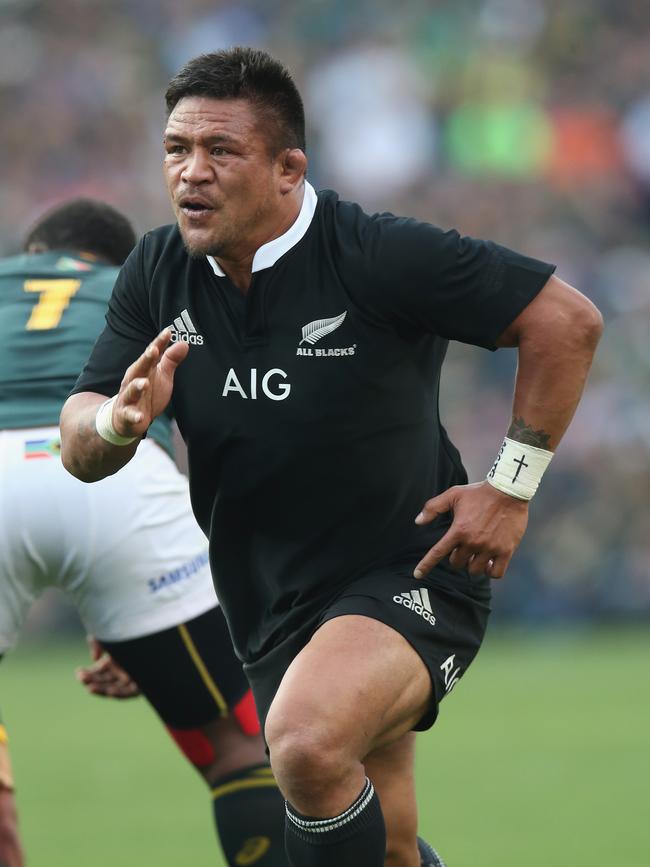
[
  {"x": 418, "y": 601},
  {"x": 183, "y": 329}
]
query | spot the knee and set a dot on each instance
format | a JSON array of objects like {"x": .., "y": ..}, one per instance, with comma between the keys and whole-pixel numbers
[{"x": 305, "y": 753}]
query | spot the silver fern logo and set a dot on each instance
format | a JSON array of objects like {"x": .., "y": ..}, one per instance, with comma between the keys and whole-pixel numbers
[{"x": 313, "y": 331}]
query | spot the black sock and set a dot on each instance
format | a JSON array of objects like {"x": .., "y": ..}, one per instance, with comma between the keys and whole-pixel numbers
[
  {"x": 249, "y": 815},
  {"x": 356, "y": 837}
]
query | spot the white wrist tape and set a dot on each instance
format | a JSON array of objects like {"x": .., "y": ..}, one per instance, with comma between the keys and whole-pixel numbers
[
  {"x": 104, "y": 425},
  {"x": 518, "y": 469}
]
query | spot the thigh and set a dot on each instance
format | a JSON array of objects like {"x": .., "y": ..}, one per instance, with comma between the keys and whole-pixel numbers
[
  {"x": 15, "y": 600},
  {"x": 437, "y": 617},
  {"x": 26, "y": 528},
  {"x": 189, "y": 673},
  {"x": 440, "y": 618},
  {"x": 147, "y": 563},
  {"x": 357, "y": 681}
]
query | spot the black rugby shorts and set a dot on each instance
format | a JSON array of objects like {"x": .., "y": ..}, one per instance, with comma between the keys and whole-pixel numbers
[{"x": 443, "y": 616}]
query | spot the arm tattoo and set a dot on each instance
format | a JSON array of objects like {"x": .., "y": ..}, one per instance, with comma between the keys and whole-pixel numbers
[{"x": 524, "y": 433}]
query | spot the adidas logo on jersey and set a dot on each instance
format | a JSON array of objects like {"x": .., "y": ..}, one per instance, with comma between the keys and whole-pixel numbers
[
  {"x": 418, "y": 601},
  {"x": 183, "y": 329}
]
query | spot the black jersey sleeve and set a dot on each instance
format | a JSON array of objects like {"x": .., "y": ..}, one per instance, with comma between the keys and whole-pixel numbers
[
  {"x": 440, "y": 282},
  {"x": 129, "y": 328}
]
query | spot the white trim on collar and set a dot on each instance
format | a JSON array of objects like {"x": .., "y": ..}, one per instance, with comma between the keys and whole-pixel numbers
[{"x": 269, "y": 253}]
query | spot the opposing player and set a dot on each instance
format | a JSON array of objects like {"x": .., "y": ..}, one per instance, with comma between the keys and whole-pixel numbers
[
  {"x": 128, "y": 551},
  {"x": 352, "y": 558}
]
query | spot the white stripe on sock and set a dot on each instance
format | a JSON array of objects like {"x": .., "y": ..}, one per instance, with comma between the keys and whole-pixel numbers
[{"x": 320, "y": 826}]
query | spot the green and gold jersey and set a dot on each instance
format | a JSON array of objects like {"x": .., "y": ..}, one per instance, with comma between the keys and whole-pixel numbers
[{"x": 52, "y": 308}]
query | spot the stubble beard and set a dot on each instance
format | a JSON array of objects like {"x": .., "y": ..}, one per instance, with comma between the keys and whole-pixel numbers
[{"x": 197, "y": 249}]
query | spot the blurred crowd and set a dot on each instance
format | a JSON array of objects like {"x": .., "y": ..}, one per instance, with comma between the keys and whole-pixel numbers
[{"x": 523, "y": 121}]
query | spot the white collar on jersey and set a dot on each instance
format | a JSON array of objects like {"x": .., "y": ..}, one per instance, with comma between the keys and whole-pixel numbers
[{"x": 269, "y": 253}]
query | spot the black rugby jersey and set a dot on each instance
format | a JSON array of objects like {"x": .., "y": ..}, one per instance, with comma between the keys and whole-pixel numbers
[{"x": 310, "y": 405}]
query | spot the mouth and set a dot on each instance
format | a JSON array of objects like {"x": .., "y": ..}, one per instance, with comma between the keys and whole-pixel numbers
[{"x": 195, "y": 208}]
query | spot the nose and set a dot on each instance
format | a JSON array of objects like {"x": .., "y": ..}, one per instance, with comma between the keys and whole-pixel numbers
[{"x": 197, "y": 168}]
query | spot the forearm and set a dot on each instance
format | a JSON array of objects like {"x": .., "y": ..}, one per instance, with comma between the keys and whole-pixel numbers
[
  {"x": 556, "y": 344},
  {"x": 84, "y": 453},
  {"x": 547, "y": 391}
]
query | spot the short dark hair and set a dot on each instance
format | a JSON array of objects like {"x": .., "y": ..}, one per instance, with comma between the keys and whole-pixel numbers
[
  {"x": 245, "y": 73},
  {"x": 86, "y": 225}
]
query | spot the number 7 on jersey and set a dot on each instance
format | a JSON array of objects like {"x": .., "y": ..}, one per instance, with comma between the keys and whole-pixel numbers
[{"x": 55, "y": 297}]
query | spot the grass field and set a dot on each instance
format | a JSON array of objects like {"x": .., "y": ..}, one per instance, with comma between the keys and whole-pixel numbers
[{"x": 541, "y": 756}]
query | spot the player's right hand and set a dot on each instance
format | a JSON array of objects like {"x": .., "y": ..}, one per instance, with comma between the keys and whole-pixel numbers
[
  {"x": 104, "y": 677},
  {"x": 147, "y": 385},
  {"x": 485, "y": 532}
]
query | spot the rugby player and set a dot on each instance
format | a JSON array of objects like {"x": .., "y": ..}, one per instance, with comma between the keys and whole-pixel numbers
[
  {"x": 127, "y": 552},
  {"x": 299, "y": 342}
]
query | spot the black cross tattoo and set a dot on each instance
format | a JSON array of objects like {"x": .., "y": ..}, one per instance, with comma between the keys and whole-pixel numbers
[{"x": 521, "y": 463}]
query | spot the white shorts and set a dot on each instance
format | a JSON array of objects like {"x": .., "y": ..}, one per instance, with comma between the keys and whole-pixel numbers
[{"x": 127, "y": 550}]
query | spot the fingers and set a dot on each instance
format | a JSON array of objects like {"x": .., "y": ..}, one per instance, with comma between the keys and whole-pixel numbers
[
  {"x": 462, "y": 557},
  {"x": 484, "y": 534},
  {"x": 432, "y": 508},
  {"x": 134, "y": 390},
  {"x": 105, "y": 678},
  {"x": 434, "y": 555},
  {"x": 145, "y": 364},
  {"x": 437, "y": 506},
  {"x": 173, "y": 356},
  {"x": 496, "y": 567}
]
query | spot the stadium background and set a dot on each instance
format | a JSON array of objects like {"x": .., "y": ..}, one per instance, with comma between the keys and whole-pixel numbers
[{"x": 525, "y": 121}]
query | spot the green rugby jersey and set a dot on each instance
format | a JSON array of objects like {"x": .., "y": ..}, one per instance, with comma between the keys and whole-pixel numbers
[{"x": 52, "y": 307}]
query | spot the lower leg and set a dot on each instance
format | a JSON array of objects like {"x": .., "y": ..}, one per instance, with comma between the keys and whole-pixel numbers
[
  {"x": 248, "y": 808},
  {"x": 11, "y": 853},
  {"x": 391, "y": 770},
  {"x": 355, "y": 836},
  {"x": 249, "y": 816},
  {"x": 333, "y": 812},
  {"x": 202, "y": 679},
  {"x": 356, "y": 686}
]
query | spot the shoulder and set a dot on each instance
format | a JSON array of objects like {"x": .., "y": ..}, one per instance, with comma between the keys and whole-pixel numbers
[
  {"x": 157, "y": 252},
  {"x": 341, "y": 218},
  {"x": 101, "y": 279},
  {"x": 382, "y": 239},
  {"x": 165, "y": 242},
  {"x": 10, "y": 265}
]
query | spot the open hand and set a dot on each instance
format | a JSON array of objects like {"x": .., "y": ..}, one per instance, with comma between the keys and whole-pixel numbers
[
  {"x": 147, "y": 385},
  {"x": 486, "y": 530}
]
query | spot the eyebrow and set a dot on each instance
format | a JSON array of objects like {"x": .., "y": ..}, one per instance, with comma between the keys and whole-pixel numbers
[{"x": 210, "y": 139}]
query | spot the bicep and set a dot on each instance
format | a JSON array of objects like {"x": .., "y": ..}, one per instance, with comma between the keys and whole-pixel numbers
[
  {"x": 456, "y": 287},
  {"x": 557, "y": 309}
]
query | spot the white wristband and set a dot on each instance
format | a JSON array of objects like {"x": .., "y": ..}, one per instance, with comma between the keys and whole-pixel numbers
[
  {"x": 104, "y": 425},
  {"x": 518, "y": 469}
]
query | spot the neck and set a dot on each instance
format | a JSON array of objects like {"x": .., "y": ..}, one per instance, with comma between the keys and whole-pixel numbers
[{"x": 240, "y": 269}]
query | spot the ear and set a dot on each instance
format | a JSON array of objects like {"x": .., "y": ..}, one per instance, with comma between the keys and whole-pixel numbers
[{"x": 293, "y": 166}]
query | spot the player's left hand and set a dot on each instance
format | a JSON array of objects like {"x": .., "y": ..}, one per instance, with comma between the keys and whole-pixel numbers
[
  {"x": 486, "y": 530},
  {"x": 105, "y": 677}
]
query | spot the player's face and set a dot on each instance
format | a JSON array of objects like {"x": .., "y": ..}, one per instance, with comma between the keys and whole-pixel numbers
[{"x": 221, "y": 175}]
